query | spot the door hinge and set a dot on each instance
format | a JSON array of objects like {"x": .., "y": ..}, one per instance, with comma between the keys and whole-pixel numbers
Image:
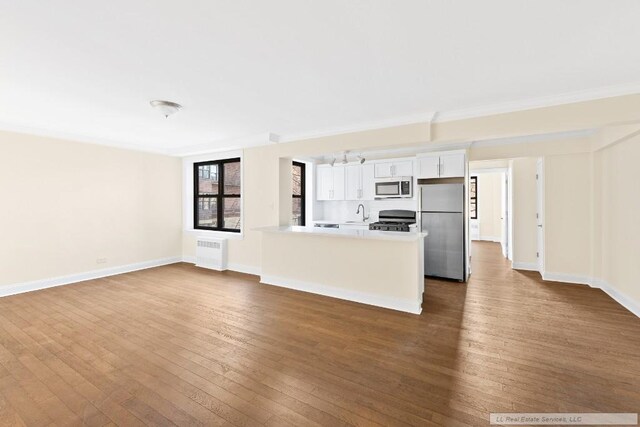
[
  {"x": 537, "y": 255},
  {"x": 536, "y": 176},
  {"x": 537, "y": 215}
]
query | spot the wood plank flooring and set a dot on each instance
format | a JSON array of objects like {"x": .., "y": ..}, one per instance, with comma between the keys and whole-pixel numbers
[{"x": 178, "y": 345}]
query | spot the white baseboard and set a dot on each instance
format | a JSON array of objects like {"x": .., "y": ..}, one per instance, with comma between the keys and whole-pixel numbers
[
  {"x": 36, "y": 285},
  {"x": 529, "y": 266},
  {"x": 408, "y": 306},
  {"x": 247, "y": 269},
  {"x": 567, "y": 278},
  {"x": 623, "y": 300},
  {"x": 240, "y": 268}
]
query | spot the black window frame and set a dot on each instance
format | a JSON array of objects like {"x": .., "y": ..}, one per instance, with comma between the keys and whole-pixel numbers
[
  {"x": 218, "y": 197},
  {"x": 303, "y": 193},
  {"x": 475, "y": 197}
]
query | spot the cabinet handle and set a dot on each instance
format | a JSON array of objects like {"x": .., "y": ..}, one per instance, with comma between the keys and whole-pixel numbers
[
  {"x": 438, "y": 168},
  {"x": 441, "y": 168}
]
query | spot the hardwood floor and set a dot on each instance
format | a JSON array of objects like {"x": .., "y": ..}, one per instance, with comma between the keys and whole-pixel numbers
[{"x": 185, "y": 346}]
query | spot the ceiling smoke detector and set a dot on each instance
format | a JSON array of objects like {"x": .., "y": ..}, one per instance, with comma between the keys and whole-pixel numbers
[{"x": 166, "y": 108}]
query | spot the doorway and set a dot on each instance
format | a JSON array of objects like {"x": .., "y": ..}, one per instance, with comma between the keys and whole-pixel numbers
[{"x": 489, "y": 205}]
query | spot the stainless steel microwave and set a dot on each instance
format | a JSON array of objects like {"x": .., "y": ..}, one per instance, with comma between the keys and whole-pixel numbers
[{"x": 398, "y": 187}]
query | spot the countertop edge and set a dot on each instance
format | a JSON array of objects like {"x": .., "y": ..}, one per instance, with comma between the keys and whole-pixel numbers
[{"x": 350, "y": 234}]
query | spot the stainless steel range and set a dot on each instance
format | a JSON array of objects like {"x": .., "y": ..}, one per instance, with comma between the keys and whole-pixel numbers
[{"x": 394, "y": 220}]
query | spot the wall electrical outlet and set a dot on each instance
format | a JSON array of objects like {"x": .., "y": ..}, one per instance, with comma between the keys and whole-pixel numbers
[{"x": 101, "y": 261}]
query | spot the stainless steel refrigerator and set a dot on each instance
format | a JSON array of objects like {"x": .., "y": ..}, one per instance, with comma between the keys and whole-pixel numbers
[{"x": 442, "y": 217}]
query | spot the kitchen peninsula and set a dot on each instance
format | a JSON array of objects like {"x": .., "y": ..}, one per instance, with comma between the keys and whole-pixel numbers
[{"x": 379, "y": 268}]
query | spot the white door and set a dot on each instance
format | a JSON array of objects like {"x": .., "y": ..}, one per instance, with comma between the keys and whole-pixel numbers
[
  {"x": 338, "y": 183},
  {"x": 403, "y": 168},
  {"x": 428, "y": 167},
  {"x": 540, "y": 213},
  {"x": 452, "y": 165},
  {"x": 324, "y": 186},
  {"x": 352, "y": 182},
  {"x": 384, "y": 170}
]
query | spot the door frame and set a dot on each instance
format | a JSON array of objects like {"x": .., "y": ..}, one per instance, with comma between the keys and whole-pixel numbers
[
  {"x": 540, "y": 223},
  {"x": 506, "y": 242}
]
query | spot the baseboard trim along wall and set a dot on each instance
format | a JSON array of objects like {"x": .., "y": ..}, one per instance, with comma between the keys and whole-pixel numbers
[
  {"x": 36, "y": 285},
  {"x": 623, "y": 300},
  {"x": 408, "y": 306},
  {"x": 240, "y": 268},
  {"x": 529, "y": 266},
  {"x": 567, "y": 278}
]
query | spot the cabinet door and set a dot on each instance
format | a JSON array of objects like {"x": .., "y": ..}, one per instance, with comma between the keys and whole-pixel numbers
[
  {"x": 368, "y": 182},
  {"x": 452, "y": 165},
  {"x": 428, "y": 167},
  {"x": 352, "y": 182},
  {"x": 403, "y": 168},
  {"x": 324, "y": 185},
  {"x": 383, "y": 170},
  {"x": 338, "y": 183}
]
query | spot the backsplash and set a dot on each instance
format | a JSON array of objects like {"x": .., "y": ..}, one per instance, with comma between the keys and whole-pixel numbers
[{"x": 346, "y": 210}]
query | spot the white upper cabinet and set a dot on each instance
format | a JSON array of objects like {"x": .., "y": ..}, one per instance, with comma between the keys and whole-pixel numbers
[
  {"x": 324, "y": 182},
  {"x": 394, "y": 168},
  {"x": 330, "y": 182},
  {"x": 368, "y": 182},
  {"x": 429, "y": 167},
  {"x": 383, "y": 170},
  {"x": 403, "y": 168},
  {"x": 441, "y": 165},
  {"x": 359, "y": 182},
  {"x": 352, "y": 182},
  {"x": 338, "y": 183},
  {"x": 452, "y": 165}
]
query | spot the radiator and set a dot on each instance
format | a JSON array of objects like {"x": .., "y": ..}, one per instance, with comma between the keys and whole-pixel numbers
[{"x": 211, "y": 253}]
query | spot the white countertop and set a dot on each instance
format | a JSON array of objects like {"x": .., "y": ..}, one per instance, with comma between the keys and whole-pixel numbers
[
  {"x": 342, "y": 222},
  {"x": 346, "y": 233}
]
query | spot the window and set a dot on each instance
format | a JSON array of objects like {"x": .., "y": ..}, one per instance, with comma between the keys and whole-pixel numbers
[
  {"x": 298, "y": 201},
  {"x": 217, "y": 195},
  {"x": 473, "y": 197}
]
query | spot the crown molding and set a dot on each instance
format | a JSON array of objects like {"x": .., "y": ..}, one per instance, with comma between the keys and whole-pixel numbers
[
  {"x": 77, "y": 137},
  {"x": 538, "y": 102},
  {"x": 534, "y": 138},
  {"x": 360, "y": 127},
  {"x": 226, "y": 145}
]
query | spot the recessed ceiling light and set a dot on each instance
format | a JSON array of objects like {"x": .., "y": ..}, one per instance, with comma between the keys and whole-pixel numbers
[{"x": 166, "y": 108}]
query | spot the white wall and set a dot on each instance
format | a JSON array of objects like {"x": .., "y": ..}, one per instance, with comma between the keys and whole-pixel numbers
[
  {"x": 67, "y": 204},
  {"x": 568, "y": 217},
  {"x": 616, "y": 265}
]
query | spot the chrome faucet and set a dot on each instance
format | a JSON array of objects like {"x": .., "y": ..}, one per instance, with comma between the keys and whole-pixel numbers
[{"x": 364, "y": 218}]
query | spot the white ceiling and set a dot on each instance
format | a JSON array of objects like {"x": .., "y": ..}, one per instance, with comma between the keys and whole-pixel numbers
[{"x": 243, "y": 69}]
